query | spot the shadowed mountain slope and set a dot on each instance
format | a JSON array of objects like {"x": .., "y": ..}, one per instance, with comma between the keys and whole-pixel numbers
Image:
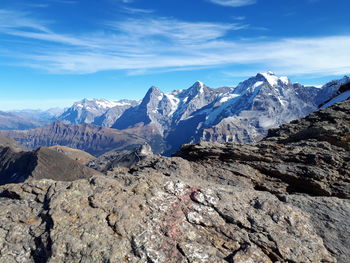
[{"x": 42, "y": 163}]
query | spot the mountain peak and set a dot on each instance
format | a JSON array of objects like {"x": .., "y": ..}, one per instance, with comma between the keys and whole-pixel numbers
[
  {"x": 199, "y": 83},
  {"x": 153, "y": 91},
  {"x": 272, "y": 79},
  {"x": 270, "y": 73},
  {"x": 153, "y": 94},
  {"x": 198, "y": 86}
]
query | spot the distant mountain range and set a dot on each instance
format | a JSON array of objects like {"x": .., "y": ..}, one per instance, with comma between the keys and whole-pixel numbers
[
  {"x": 167, "y": 120},
  {"x": 90, "y": 138},
  {"x": 12, "y": 121},
  {"x": 98, "y": 112},
  {"x": 39, "y": 115}
]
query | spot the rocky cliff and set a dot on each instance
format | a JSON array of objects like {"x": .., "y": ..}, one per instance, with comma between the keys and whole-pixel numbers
[
  {"x": 285, "y": 199},
  {"x": 126, "y": 158},
  {"x": 90, "y": 138}
]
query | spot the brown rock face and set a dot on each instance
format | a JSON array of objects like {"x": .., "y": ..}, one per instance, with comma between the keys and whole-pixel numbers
[
  {"x": 43, "y": 163},
  {"x": 310, "y": 156},
  {"x": 280, "y": 200},
  {"x": 90, "y": 138}
]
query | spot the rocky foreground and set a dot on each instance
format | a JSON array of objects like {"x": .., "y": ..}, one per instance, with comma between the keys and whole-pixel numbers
[{"x": 285, "y": 199}]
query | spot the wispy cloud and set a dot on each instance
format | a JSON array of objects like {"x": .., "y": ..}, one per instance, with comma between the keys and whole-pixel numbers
[
  {"x": 125, "y": 1},
  {"x": 130, "y": 10},
  {"x": 163, "y": 44},
  {"x": 172, "y": 29},
  {"x": 64, "y": 1},
  {"x": 13, "y": 19},
  {"x": 233, "y": 3},
  {"x": 239, "y": 18}
]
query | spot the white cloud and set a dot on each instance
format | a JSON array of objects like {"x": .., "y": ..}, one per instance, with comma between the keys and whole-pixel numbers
[
  {"x": 13, "y": 19},
  {"x": 233, "y": 3},
  {"x": 64, "y": 1},
  {"x": 163, "y": 44},
  {"x": 239, "y": 18},
  {"x": 174, "y": 30},
  {"x": 130, "y": 10},
  {"x": 126, "y": 1}
]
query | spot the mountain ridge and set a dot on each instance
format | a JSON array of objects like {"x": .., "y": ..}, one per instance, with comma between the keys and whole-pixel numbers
[
  {"x": 93, "y": 139},
  {"x": 245, "y": 113}
]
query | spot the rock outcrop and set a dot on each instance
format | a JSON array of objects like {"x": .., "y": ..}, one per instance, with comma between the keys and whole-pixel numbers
[
  {"x": 126, "y": 158},
  {"x": 285, "y": 199}
]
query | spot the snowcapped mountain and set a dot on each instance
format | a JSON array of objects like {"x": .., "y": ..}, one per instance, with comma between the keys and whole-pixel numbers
[
  {"x": 247, "y": 112},
  {"x": 96, "y": 111},
  {"x": 256, "y": 105},
  {"x": 200, "y": 113},
  {"x": 166, "y": 110}
]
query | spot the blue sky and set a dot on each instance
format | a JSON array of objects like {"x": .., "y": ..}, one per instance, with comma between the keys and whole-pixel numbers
[{"x": 53, "y": 52}]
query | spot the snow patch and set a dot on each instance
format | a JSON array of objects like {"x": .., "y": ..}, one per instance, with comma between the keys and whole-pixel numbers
[
  {"x": 94, "y": 103},
  {"x": 201, "y": 86},
  {"x": 79, "y": 105},
  {"x": 228, "y": 97},
  {"x": 271, "y": 78},
  {"x": 341, "y": 97},
  {"x": 257, "y": 84},
  {"x": 122, "y": 103},
  {"x": 174, "y": 101},
  {"x": 283, "y": 102},
  {"x": 314, "y": 86},
  {"x": 284, "y": 80},
  {"x": 267, "y": 123},
  {"x": 106, "y": 104}
]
